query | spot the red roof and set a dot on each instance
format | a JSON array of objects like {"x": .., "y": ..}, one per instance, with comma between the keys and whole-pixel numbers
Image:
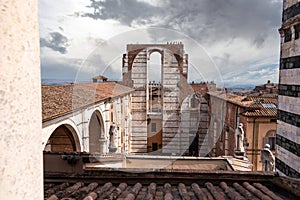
[
  {"x": 256, "y": 105},
  {"x": 262, "y": 106},
  {"x": 167, "y": 187},
  {"x": 58, "y": 100}
]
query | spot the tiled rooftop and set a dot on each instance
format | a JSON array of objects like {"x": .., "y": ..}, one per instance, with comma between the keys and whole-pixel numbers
[
  {"x": 232, "y": 98},
  {"x": 265, "y": 112},
  {"x": 262, "y": 106},
  {"x": 208, "y": 190},
  {"x": 58, "y": 100},
  {"x": 200, "y": 88},
  {"x": 73, "y": 179},
  {"x": 239, "y": 100},
  {"x": 256, "y": 105}
]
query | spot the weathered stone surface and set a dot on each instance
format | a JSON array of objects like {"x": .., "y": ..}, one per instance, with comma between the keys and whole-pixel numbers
[{"x": 20, "y": 101}]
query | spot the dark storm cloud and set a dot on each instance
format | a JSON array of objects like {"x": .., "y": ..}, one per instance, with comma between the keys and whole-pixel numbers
[
  {"x": 204, "y": 20},
  {"x": 124, "y": 11},
  {"x": 209, "y": 21},
  {"x": 55, "y": 41}
]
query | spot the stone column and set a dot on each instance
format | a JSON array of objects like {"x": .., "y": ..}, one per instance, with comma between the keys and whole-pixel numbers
[{"x": 21, "y": 169}]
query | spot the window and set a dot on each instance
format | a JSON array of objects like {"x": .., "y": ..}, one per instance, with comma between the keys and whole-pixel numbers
[
  {"x": 297, "y": 31},
  {"x": 287, "y": 35},
  {"x": 270, "y": 139},
  {"x": 153, "y": 127}
]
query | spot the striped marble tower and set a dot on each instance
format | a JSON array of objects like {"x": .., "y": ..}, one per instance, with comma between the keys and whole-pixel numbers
[{"x": 288, "y": 131}]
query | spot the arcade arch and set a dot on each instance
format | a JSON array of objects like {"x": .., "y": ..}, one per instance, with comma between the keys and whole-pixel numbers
[
  {"x": 96, "y": 133},
  {"x": 63, "y": 139}
]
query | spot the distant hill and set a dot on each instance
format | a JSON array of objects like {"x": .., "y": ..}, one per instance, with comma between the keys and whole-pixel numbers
[
  {"x": 62, "y": 81},
  {"x": 231, "y": 87}
]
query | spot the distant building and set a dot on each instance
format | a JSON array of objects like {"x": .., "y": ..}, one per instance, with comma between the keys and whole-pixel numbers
[
  {"x": 261, "y": 123},
  {"x": 268, "y": 88},
  {"x": 288, "y": 131},
  {"x": 258, "y": 115},
  {"x": 99, "y": 78}
]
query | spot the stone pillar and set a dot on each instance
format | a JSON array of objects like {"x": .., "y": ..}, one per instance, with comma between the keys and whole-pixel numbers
[
  {"x": 139, "y": 103},
  {"x": 21, "y": 168},
  {"x": 171, "y": 105}
]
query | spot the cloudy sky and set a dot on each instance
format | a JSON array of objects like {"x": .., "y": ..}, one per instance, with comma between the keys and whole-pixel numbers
[{"x": 234, "y": 41}]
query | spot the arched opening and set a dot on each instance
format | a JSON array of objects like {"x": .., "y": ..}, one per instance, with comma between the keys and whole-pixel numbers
[
  {"x": 154, "y": 118},
  {"x": 154, "y": 86},
  {"x": 154, "y": 70},
  {"x": 62, "y": 140},
  {"x": 96, "y": 133}
]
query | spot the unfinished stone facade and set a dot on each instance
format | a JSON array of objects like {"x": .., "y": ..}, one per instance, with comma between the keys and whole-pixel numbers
[
  {"x": 173, "y": 113},
  {"x": 288, "y": 137}
]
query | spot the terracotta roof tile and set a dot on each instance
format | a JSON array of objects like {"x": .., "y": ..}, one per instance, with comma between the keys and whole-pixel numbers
[
  {"x": 220, "y": 191},
  {"x": 262, "y": 106},
  {"x": 261, "y": 113},
  {"x": 200, "y": 88},
  {"x": 58, "y": 100},
  {"x": 256, "y": 105}
]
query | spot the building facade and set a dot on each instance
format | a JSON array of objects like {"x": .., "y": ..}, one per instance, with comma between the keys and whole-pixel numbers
[
  {"x": 288, "y": 131},
  {"x": 256, "y": 113},
  {"x": 86, "y": 117},
  {"x": 260, "y": 119},
  {"x": 164, "y": 112}
]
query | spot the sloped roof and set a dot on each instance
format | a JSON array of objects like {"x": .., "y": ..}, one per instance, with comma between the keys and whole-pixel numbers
[
  {"x": 81, "y": 181},
  {"x": 262, "y": 106},
  {"x": 165, "y": 188},
  {"x": 239, "y": 100},
  {"x": 200, "y": 88},
  {"x": 232, "y": 98},
  {"x": 58, "y": 100},
  {"x": 256, "y": 105}
]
